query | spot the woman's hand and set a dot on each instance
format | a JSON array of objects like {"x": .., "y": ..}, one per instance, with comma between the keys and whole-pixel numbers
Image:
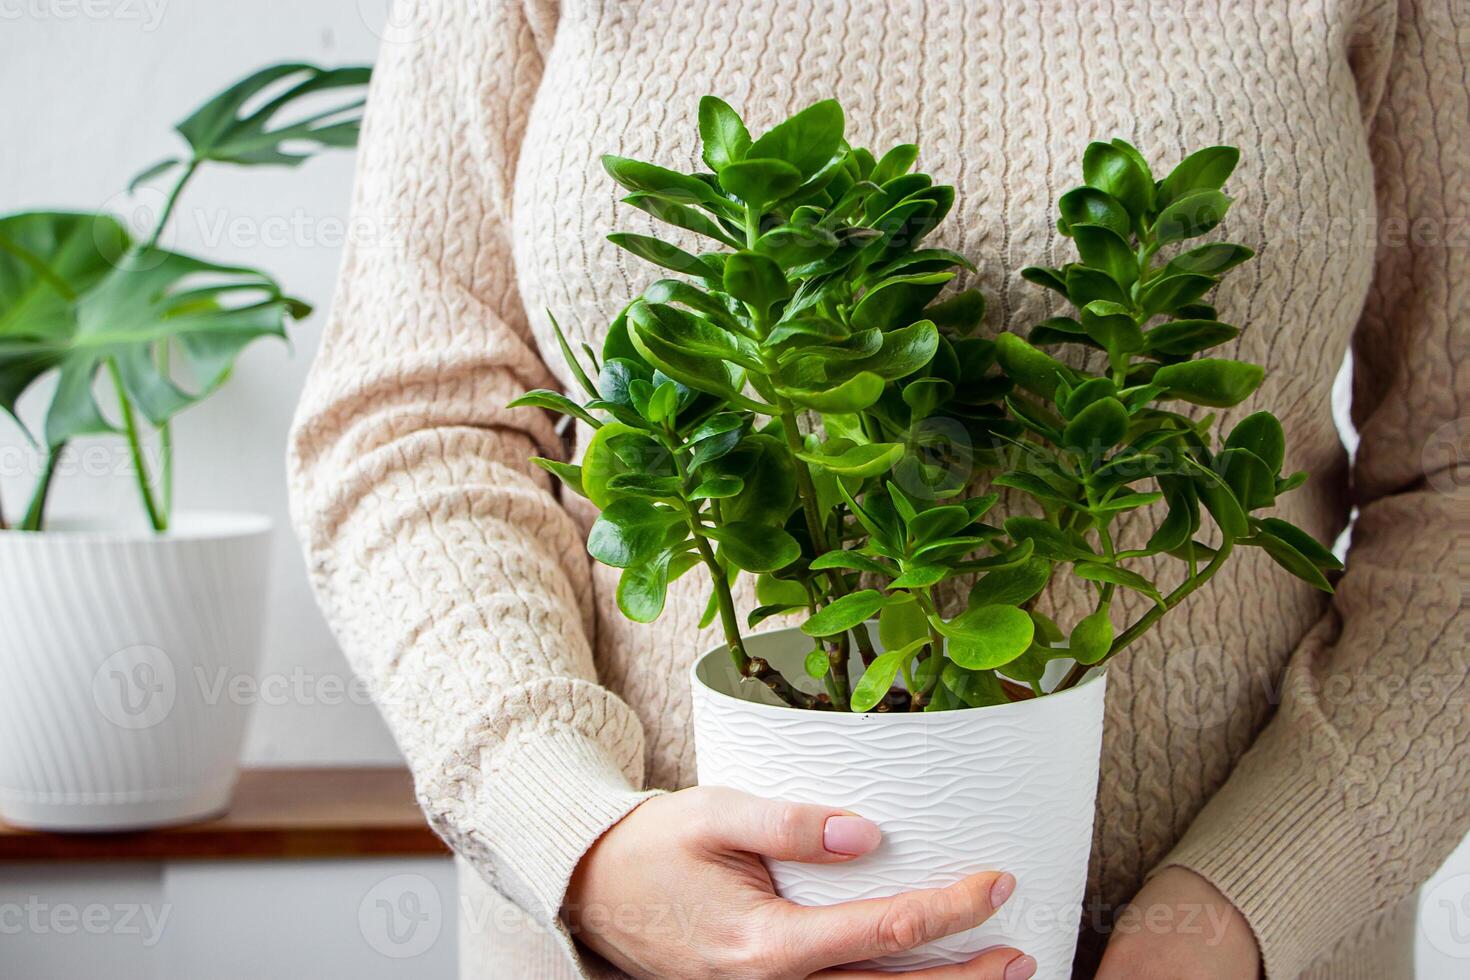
[
  {"x": 676, "y": 889},
  {"x": 1179, "y": 925}
]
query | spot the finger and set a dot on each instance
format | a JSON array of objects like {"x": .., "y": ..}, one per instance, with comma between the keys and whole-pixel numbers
[
  {"x": 1000, "y": 963},
  {"x": 832, "y": 935},
  {"x": 786, "y": 831}
]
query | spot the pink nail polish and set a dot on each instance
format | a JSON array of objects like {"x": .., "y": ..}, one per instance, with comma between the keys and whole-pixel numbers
[
  {"x": 850, "y": 835},
  {"x": 1021, "y": 968},
  {"x": 1000, "y": 890}
]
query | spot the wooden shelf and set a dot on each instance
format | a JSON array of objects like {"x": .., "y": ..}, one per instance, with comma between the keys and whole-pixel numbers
[{"x": 276, "y": 813}]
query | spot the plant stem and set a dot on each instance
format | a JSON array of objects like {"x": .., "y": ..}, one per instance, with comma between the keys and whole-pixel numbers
[
  {"x": 140, "y": 466},
  {"x": 36, "y": 512},
  {"x": 1147, "y": 620},
  {"x": 165, "y": 431}
]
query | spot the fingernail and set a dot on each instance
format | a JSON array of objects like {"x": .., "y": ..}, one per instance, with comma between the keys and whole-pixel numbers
[
  {"x": 1000, "y": 890},
  {"x": 1021, "y": 968},
  {"x": 850, "y": 835}
]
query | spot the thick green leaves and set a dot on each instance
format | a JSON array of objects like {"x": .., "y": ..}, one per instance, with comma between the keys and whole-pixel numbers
[
  {"x": 1190, "y": 216},
  {"x": 1301, "y": 541},
  {"x": 1203, "y": 170},
  {"x": 1030, "y": 368},
  {"x": 845, "y": 613},
  {"x": 1014, "y": 585},
  {"x": 1285, "y": 554},
  {"x": 1210, "y": 381},
  {"x": 629, "y": 532},
  {"x": 878, "y": 678},
  {"x": 1091, "y": 638},
  {"x": 1261, "y": 434},
  {"x": 661, "y": 253},
  {"x": 670, "y": 185},
  {"x": 760, "y": 182},
  {"x": 988, "y": 636},
  {"x": 1090, "y": 206},
  {"x": 1117, "y": 173},
  {"x": 1049, "y": 540},
  {"x": 901, "y": 623},
  {"x": 857, "y": 461},
  {"x": 1181, "y": 338},
  {"x": 853, "y": 395},
  {"x": 725, "y": 137},
  {"x": 806, "y": 141},
  {"x": 756, "y": 279},
  {"x": 1098, "y": 427},
  {"x": 1114, "y": 575},
  {"x": 755, "y": 547}
]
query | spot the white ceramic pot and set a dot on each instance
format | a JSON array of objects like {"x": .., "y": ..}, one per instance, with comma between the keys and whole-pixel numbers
[
  {"x": 116, "y": 710},
  {"x": 1009, "y": 787}
]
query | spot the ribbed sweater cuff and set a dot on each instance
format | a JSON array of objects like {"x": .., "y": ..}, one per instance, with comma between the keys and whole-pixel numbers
[{"x": 1280, "y": 844}]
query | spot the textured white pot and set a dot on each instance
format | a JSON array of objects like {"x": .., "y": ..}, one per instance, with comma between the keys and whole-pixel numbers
[
  {"x": 1009, "y": 787},
  {"x": 116, "y": 707}
]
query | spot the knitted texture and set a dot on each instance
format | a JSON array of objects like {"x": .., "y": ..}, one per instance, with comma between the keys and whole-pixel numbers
[{"x": 1304, "y": 754}]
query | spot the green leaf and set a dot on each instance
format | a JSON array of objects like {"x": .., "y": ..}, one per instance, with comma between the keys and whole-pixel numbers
[
  {"x": 760, "y": 182},
  {"x": 895, "y": 163},
  {"x": 1030, "y": 368},
  {"x": 643, "y": 589},
  {"x": 1090, "y": 206},
  {"x": 961, "y": 313},
  {"x": 1219, "y": 500},
  {"x": 987, "y": 637},
  {"x": 1202, "y": 170},
  {"x": 1112, "y": 327},
  {"x": 1050, "y": 541},
  {"x": 1181, "y": 338},
  {"x": 904, "y": 351},
  {"x": 858, "y": 461},
  {"x": 1104, "y": 249},
  {"x": 756, "y": 280},
  {"x": 1249, "y": 478},
  {"x": 717, "y": 488},
  {"x": 1086, "y": 285},
  {"x": 793, "y": 245},
  {"x": 770, "y": 481},
  {"x": 901, "y": 623},
  {"x": 221, "y": 130},
  {"x": 897, "y": 301},
  {"x": 919, "y": 576},
  {"x": 1190, "y": 216},
  {"x": 807, "y": 140},
  {"x": 755, "y": 547},
  {"x": 1214, "y": 259},
  {"x": 1098, "y": 427},
  {"x": 849, "y": 560},
  {"x": 712, "y": 375},
  {"x": 151, "y": 299},
  {"x": 845, "y": 613},
  {"x": 1210, "y": 381},
  {"x": 1049, "y": 278},
  {"x": 647, "y": 178},
  {"x": 1091, "y": 638},
  {"x": 554, "y": 401},
  {"x": 937, "y": 523},
  {"x": 1308, "y": 546},
  {"x": 1181, "y": 521},
  {"x": 629, "y": 532},
  {"x": 600, "y": 463},
  {"x": 975, "y": 688},
  {"x": 1114, "y": 575},
  {"x": 1116, "y": 172},
  {"x": 817, "y": 664},
  {"x": 1261, "y": 434},
  {"x": 1288, "y": 557},
  {"x": 1167, "y": 293},
  {"x": 1012, "y": 586},
  {"x": 853, "y": 395},
  {"x": 878, "y": 678},
  {"x": 693, "y": 334},
  {"x": 681, "y": 216},
  {"x": 661, "y": 253},
  {"x": 772, "y": 591},
  {"x": 725, "y": 137}
]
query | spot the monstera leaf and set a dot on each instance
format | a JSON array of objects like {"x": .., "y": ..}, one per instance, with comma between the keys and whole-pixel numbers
[
  {"x": 47, "y": 260},
  {"x": 68, "y": 303},
  {"x": 222, "y": 129}
]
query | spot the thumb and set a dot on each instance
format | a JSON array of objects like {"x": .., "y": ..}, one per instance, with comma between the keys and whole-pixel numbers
[{"x": 787, "y": 831}]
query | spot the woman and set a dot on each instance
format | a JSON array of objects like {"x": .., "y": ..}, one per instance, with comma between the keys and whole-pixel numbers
[{"x": 1270, "y": 797}]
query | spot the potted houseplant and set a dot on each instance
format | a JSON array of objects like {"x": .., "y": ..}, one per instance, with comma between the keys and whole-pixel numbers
[
  {"x": 970, "y": 729},
  {"x": 104, "y": 724}
]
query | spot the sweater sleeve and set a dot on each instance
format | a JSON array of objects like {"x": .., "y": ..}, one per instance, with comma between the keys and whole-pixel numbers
[
  {"x": 1360, "y": 786},
  {"x": 457, "y": 585}
]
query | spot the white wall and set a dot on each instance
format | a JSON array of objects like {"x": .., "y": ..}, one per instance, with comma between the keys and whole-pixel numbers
[{"x": 93, "y": 89}]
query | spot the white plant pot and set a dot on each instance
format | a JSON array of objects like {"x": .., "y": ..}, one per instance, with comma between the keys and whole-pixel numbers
[
  {"x": 1009, "y": 787},
  {"x": 116, "y": 710}
]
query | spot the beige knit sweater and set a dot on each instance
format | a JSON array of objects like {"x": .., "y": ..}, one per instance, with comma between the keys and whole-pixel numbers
[{"x": 1263, "y": 736}]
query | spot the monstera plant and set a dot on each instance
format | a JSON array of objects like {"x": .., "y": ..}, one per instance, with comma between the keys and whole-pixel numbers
[{"x": 133, "y": 332}]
